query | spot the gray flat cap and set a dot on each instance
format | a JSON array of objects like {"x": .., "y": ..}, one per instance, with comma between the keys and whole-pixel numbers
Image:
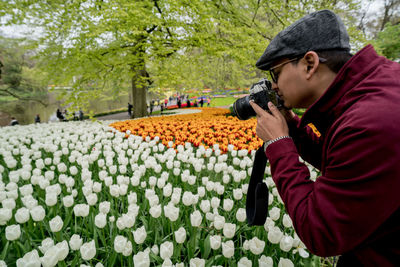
[{"x": 318, "y": 31}]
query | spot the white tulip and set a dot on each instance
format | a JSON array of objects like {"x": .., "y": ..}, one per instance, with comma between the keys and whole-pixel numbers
[
  {"x": 220, "y": 189},
  {"x": 38, "y": 213},
  {"x": 128, "y": 249},
  {"x": 5, "y": 215},
  {"x": 68, "y": 201},
  {"x": 8, "y": 203},
  {"x": 187, "y": 198},
  {"x": 229, "y": 230},
  {"x": 26, "y": 190},
  {"x": 128, "y": 219},
  {"x": 141, "y": 259},
  {"x": 13, "y": 232},
  {"x": 153, "y": 200},
  {"x": 237, "y": 194},
  {"x": 197, "y": 262},
  {"x": 215, "y": 242},
  {"x": 275, "y": 213},
  {"x": 286, "y": 221},
  {"x": 104, "y": 207},
  {"x": 114, "y": 190},
  {"x": 171, "y": 212},
  {"x": 75, "y": 242},
  {"x": 88, "y": 250},
  {"x": 81, "y": 210},
  {"x": 245, "y": 188},
  {"x": 63, "y": 250},
  {"x": 269, "y": 224},
  {"x": 285, "y": 263},
  {"x": 215, "y": 202},
  {"x": 196, "y": 218},
  {"x": 97, "y": 187},
  {"x": 275, "y": 235},
  {"x": 241, "y": 215},
  {"x": 56, "y": 224},
  {"x": 91, "y": 199},
  {"x": 155, "y": 249},
  {"x": 210, "y": 216},
  {"x": 120, "y": 243},
  {"x": 100, "y": 220},
  {"x": 264, "y": 261},
  {"x": 30, "y": 259},
  {"x": 226, "y": 179},
  {"x": 120, "y": 224},
  {"x": 201, "y": 191},
  {"x": 246, "y": 245},
  {"x": 50, "y": 257},
  {"x": 228, "y": 204},
  {"x": 139, "y": 235},
  {"x": 244, "y": 262},
  {"x": 286, "y": 243},
  {"x": 219, "y": 222},
  {"x": 166, "y": 250},
  {"x": 167, "y": 190},
  {"x": 22, "y": 215},
  {"x": 210, "y": 186},
  {"x": 205, "y": 205},
  {"x": 46, "y": 245},
  {"x": 161, "y": 183},
  {"x": 180, "y": 235},
  {"x": 256, "y": 246},
  {"x": 228, "y": 249},
  {"x": 303, "y": 253},
  {"x": 155, "y": 211}
]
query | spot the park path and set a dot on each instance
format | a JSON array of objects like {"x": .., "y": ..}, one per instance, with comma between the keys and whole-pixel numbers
[{"x": 125, "y": 115}]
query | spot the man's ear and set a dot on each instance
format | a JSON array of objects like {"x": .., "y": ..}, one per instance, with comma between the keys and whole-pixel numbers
[{"x": 311, "y": 61}]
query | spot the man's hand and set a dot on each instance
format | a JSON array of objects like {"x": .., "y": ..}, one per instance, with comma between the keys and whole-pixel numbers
[{"x": 270, "y": 126}]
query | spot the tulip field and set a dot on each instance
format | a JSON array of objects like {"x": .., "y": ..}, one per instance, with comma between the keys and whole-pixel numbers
[{"x": 158, "y": 191}]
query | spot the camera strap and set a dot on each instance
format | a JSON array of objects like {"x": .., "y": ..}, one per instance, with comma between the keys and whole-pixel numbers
[{"x": 257, "y": 193}]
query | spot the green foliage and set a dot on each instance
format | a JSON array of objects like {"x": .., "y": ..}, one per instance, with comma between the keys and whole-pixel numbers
[
  {"x": 19, "y": 76},
  {"x": 104, "y": 47},
  {"x": 388, "y": 41}
]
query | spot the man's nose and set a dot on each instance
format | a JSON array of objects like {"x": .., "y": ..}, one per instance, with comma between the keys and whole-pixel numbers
[{"x": 274, "y": 86}]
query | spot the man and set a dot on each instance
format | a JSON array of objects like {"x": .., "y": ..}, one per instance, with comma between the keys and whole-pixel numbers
[
  {"x": 13, "y": 121},
  {"x": 130, "y": 107},
  {"x": 350, "y": 132}
]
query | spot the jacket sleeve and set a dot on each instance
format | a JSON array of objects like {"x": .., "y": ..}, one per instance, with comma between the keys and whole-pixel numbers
[
  {"x": 356, "y": 194},
  {"x": 309, "y": 145}
]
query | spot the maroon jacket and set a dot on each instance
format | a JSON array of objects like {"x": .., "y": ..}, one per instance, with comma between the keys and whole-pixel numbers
[{"x": 353, "y": 207}]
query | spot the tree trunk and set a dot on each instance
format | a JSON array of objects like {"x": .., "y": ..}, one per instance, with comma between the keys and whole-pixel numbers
[{"x": 139, "y": 89}]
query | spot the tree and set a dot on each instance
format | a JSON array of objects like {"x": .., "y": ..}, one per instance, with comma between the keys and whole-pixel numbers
[
  {"x": 19, "y": 77},
  {"x": 99, "y": 45},
  {"x": 388, "y": 41}
]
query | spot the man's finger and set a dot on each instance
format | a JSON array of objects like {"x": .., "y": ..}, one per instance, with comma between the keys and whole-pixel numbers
[
  {"x": 259, "y": 111},
  {"x": 275, "y": 112}
]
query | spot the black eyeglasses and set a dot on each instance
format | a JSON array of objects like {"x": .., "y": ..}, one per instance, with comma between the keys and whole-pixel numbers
[{"x": 275, "y": 76}]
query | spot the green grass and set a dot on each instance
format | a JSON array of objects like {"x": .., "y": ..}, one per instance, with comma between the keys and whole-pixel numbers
[{"x": 218, "y": 102}]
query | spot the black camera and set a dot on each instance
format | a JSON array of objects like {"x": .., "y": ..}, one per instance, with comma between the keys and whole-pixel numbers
[{"x": 261, "y": 93}]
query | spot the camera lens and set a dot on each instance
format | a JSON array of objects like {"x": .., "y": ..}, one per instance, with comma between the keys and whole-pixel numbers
[{"x": 242, "y": 108}]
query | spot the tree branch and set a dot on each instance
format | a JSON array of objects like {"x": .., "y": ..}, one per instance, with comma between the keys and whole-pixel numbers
[{"x": 22, "y": 98}]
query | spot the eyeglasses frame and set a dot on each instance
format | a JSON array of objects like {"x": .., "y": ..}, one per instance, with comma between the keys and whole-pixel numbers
[{"x": 275, "y": 77}]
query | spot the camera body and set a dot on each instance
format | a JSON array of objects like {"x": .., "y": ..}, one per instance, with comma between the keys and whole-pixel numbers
[{"x": 261, "y": 93}]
